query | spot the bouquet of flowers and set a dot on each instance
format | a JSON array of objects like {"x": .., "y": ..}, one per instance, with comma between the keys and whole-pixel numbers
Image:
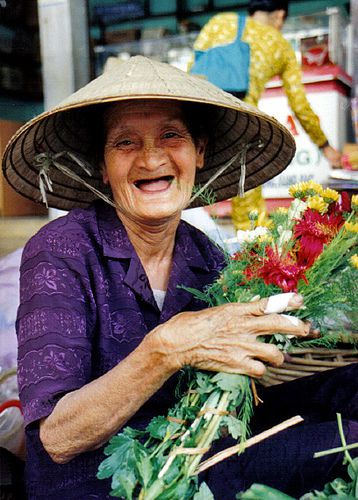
[{"x": 309, "y": 248}]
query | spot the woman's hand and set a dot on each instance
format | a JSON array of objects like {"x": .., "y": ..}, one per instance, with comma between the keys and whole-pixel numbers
[
  {"x": 333, "y": 156},
  {"x": 224, "y": 338}
]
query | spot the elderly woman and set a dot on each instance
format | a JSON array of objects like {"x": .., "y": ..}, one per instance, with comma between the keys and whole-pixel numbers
[{"x": 102, "y": 326}]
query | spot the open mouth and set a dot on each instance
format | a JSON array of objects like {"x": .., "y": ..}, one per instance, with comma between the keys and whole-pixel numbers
[{"x": 154, "y": 185}]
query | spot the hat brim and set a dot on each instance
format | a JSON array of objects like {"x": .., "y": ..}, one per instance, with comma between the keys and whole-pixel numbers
[{"x": 67, "y": 128}]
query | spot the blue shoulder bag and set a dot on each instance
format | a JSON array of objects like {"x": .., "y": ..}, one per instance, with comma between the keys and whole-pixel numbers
[{"x": 226, "y": 66}]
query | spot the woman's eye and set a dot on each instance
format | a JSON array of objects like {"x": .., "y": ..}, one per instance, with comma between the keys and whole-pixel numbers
[
  {"x": 170, "y": 135},
  {"x": 124, "y": 142}
]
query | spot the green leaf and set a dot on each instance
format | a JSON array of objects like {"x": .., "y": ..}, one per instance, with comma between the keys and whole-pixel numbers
[
  {"x": 227, "y": 381},
  {"x": 116, "y": 443},
  {"x": 180, "y": 490},
  {"x": 109, "y": 466},
  {"x": 124, "y": 454},
  {"x": 145, "y": 470},
  {"x": 123, "y": 483},
  {"x": 133, "y": 433},
  {"x": 204, "y": 493},
  {"x": 157, "y": 427},
  {"x": 353, "y": 474},
  {"x": 338, "y": 489},
  {"x": 174, "y": 470},
  {"x": 234, "y": 425},
  {"x": 235, "y": 384},
  {"x": 204, "y": 384},
  {"x": 353, "y": 470},
  {"x": 155, "y": 489},
  {"x": 262, "y": 492}
]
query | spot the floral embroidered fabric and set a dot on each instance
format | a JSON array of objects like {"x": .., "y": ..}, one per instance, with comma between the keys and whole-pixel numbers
[{"x": 85, "y": 304}]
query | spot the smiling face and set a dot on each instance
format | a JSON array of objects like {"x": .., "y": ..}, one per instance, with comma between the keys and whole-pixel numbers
[{"x": 150, "y": 158}]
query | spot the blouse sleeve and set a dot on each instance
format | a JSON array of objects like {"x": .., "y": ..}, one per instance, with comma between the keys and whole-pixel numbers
[
  {"x": 292, "y": 82},
  {"x": 55, "y": 324}
]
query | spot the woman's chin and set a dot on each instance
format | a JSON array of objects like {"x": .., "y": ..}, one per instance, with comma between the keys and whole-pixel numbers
[
  {"x": 161, "y": 215},
  {"x": 159, "y": 209}
]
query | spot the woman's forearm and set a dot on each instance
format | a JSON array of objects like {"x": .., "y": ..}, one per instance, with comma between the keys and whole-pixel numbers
[{"x": 85, "y": 419}]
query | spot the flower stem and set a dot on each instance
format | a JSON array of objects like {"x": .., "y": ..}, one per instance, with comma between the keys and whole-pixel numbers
[{"x": 344, "y": 442}]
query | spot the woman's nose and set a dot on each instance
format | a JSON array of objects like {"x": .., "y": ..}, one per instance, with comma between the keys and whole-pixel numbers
[{"x": 151, "y": 156}]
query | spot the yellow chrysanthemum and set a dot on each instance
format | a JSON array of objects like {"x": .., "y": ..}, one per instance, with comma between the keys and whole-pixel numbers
[
  {"x": 354, "y": 202},
  {"x": 282, "y": 210},
  {"x": 314, "y": 187},
  {"x": 265, "y": 238},
  {"x": 304, "y": 189},
  {"x": 297, "y": 190},
  {"x": 352, "y": 227},
  {"x": 330, "y": 195},
  {"x": 354, "y": 261},
  {"x": 317, "y": 203}
]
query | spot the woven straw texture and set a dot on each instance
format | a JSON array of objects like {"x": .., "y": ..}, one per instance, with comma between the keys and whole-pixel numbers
[
  {"x": 302, "y": 362},
  {"x": 70, "y": 127}
]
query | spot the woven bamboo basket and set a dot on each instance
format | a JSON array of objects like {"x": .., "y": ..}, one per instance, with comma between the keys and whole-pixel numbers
[{"x": 301, "y": 362}]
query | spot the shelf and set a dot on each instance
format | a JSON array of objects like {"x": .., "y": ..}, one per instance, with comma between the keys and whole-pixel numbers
[{"x": 173, "y": 49}]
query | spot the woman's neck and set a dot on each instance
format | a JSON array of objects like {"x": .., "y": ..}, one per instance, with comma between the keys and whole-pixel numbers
[
  {"x": 154, "y": 244},
  {"x": 260, "y": 17}
]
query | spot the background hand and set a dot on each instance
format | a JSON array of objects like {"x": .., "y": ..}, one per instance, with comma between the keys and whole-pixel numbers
[{"x": 333, "y": 156}]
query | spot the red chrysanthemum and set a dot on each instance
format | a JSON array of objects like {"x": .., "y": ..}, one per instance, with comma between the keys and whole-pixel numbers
[
  {"x": 343, "y": 205},
  {"x": 314, "y": 231},
  {"x": 281, "y": 271}
]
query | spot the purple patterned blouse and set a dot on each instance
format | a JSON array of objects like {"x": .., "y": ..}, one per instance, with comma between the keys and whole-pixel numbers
[{"x": 85, "y": 304}]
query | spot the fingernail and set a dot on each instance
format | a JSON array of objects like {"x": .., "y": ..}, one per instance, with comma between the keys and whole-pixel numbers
[
  {"x": 315, "y": 334},
  {"x": 292, "y": 319},
  {"x": 297, "y": 298}
]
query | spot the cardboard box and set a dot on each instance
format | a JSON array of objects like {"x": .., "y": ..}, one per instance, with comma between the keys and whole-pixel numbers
[
  {"x": 121, "y": 36},
  {"x": 12, "y": 203}
]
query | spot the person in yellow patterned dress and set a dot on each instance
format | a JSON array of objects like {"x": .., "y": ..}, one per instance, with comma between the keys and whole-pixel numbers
[{"x": 270, "y": 55}]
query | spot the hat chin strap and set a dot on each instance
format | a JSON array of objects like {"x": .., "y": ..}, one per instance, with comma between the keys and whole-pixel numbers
[
  {"x": 47, "y": 160},
  {"x": 242, "y": 155}
]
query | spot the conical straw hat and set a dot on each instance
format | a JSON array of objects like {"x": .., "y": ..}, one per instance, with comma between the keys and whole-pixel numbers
[{"x": 68, "y": 130}]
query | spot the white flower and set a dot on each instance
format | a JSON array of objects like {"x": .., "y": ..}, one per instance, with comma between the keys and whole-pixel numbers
[
  {"x": 242, "y": 236},
  {"x": 285, "y": 236},
  {"x": 296, "y": 209}
]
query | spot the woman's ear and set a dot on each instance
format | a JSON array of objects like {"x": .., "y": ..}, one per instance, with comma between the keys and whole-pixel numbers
[
  {"x": 104, "y": 173},
  {"x": 200, "y": 151}
]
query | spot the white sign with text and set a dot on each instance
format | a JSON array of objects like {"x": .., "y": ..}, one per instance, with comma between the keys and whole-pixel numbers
[{"x": 308, "y": 163}]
